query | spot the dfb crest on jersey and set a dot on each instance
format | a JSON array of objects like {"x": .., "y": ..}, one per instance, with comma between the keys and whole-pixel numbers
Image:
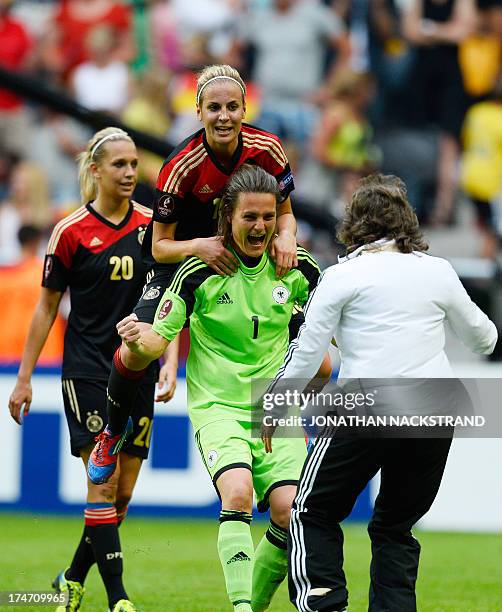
[
  {"x": 94, "y": 422},
  {"x": 212, "y": 458},
  {"x": 165, "y": 205},
  {"x": 165, "y": 309},
  {"x": 152, "y": 293},
  {"x": 141, "y": 233},
  {"x": 280, "y": 294}
]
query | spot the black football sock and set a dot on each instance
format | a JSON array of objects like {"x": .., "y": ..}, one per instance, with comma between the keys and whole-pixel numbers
[
  {"x": 123, "y": 385},
  {"x": 101, "y": 526},
  {"x": 83, "y": 560}
]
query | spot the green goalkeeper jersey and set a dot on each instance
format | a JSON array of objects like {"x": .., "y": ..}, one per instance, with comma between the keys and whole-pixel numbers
[{"x": 238, "y": 329}]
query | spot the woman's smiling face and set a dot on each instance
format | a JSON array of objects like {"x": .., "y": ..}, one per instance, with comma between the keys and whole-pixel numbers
[
  {"x": 221, "y": 109},
  {"x": 253, "y": 223}
]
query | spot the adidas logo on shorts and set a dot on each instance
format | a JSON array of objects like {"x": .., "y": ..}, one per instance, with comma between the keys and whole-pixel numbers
[{"x": 224, "y": 299}]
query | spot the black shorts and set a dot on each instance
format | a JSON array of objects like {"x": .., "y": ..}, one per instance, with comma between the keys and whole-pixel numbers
[
  {"x": 85, "y": 408},
  {"x": 153, "y": 291},
  {"x": 439, "y": 97},
  {"x": 484, "y": 214}
]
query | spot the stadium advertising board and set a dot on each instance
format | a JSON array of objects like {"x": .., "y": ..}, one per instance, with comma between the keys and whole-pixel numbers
[{"x": 39, "y": 474}]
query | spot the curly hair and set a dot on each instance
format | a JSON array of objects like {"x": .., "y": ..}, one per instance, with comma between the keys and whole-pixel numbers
[{"x": 379, "y": 209}]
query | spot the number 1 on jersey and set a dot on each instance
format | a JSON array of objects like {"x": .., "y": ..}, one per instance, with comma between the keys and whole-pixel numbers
[{"x": 256, "y": 322}]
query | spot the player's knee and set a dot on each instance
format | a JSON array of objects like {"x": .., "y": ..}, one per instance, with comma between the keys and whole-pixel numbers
[
  {"x": 238, "y": 497},
  {"x": 281, "y": 515},
  {"x": 281, "y": 500},
  {"x": 102, "y": 493}
]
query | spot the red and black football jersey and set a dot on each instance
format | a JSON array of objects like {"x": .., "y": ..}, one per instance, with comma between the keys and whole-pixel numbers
[
  {"x": 191, "y": 181},
  {"x": 101, "y": 264}
]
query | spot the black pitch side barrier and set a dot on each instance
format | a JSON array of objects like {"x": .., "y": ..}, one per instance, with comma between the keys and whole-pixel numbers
[{"x": 37, "y": 91}]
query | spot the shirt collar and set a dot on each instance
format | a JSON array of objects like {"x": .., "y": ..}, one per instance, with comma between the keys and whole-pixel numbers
[{"x": 383, "y": 244}]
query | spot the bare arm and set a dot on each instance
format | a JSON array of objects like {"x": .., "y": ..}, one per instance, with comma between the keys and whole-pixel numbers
[
  {"x": 331, "y": 120},
  {"x": 283, "y": 249},
  {"x": 341, "y": 44},
  {"x": 143, "y": 342},
  {"x": 168, "y": 372},
  {"x": 41, "y": 324},
  {"x": 384, "y": 23},
  {"x": 165, "y": 249},
  {"x": 422, "y": 31},
  {"x": 462, "y": 24}
]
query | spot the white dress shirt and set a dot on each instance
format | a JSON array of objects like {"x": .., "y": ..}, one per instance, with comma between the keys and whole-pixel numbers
[{"x": 387, "y": 312}]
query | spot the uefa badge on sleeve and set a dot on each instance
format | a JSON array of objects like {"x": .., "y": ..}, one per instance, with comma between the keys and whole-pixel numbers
[
  {"x": 47, "y": 267},
  {"x": 165, "y": 309},
  {"x": 165, "y": 205}
]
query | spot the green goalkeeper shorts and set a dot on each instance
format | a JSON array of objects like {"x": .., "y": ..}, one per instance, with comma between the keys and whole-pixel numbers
[{"x": 225, "y": 445}]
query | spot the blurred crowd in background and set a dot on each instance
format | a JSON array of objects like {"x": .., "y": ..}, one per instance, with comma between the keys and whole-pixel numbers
[{"x": 408, "y": 87}]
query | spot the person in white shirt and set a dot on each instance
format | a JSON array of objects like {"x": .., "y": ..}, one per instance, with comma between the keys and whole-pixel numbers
[
  {"x": 385, "y": 304},
  {"x": 102, "y": 83}
]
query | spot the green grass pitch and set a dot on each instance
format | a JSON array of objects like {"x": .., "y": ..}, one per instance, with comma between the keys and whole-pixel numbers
[{"x": 172, "y": 566}]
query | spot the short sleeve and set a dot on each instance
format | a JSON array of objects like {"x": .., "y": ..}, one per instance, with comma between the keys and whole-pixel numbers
[
  {"x": 311, "y": 273},
  {"x": 296, "y": 321},
  {"x": 327, "y": 22},
  {"x": 179, "y": 300},
  {"x": 273, "y": 159},
  {"x": 58, "y": 260},
  {"x": 167, "y": 207},
  {"x": 286, "y": 182},
  {"x": 170, "y": 316},
  {"x": 170, "y": 190}
]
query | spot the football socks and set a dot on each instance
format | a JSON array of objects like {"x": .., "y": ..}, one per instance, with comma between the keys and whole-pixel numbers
[
  {"x": 236, "y": 552},
  {"x": 270, "y": 566},
  {"x": 101, "y": 526},
  {"x": 121, "y": 393},
  {"x": 83, "y": 560}
]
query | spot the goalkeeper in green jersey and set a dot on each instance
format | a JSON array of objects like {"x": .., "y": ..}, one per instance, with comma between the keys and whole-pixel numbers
[{"x": 239, "y": 330}]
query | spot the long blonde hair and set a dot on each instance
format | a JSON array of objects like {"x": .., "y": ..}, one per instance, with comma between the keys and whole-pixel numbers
[{"x": 95, "y": 152}]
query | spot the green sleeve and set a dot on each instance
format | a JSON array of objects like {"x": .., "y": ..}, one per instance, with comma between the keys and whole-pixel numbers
[
  {"x": 170, "y": 316},
  {"x": 178, "y": 301}
]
